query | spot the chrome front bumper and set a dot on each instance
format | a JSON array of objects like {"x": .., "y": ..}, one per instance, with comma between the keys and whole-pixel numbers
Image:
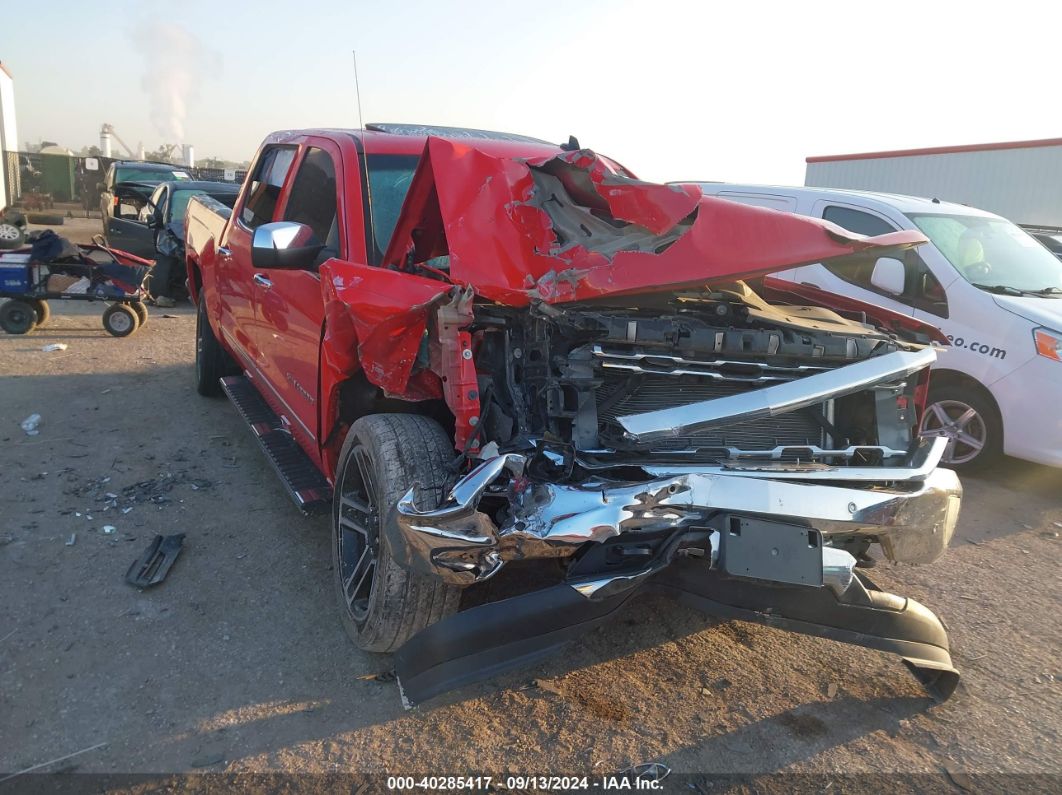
[{"x": 910, "y": 511}]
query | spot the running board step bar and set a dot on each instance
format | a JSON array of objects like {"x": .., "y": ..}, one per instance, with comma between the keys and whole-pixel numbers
[{"x": 305, "y": 484}]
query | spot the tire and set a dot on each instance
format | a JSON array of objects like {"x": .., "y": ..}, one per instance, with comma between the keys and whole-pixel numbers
[
  {"x": 45, "y": 219},
  {"x": 141, "y": 311},
  {"x": 212, "y": 362},
  {"x": 120, "y": 320},
  {"x": 968, "y": 417},
  {"x": 11, "y": 236},
  {"x": 18, "y": 316},
  {"x": 44, "y": 312},
  {"x": 383, "y": 456}
]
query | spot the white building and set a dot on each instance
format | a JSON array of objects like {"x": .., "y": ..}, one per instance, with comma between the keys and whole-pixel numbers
[
  {"x": 1020, "y": 180},
  {"x": 8, "y": 131}
]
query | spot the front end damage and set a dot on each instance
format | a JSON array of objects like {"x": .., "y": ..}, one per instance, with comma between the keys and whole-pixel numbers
[
  {"x": 637, "y": 420},
  {"x": 776, "y": 546}
]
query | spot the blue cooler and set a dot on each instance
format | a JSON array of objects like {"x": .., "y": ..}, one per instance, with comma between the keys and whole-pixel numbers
[{"x": 14, "y": 273}]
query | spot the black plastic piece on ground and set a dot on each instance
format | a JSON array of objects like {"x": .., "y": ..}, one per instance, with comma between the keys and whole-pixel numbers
[
  {"x": 152, "y": 567},
  {"x": 882, "y": 621},
  {"x": 488, "y": 640},
  {"x": 304, "y": 482},
  {"x": 480, "y": 643}
]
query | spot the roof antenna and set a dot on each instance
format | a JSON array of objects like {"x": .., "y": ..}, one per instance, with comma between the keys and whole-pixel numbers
[
  {"x": 357, "y": 89},
  {"x": 572, "y": 145}
]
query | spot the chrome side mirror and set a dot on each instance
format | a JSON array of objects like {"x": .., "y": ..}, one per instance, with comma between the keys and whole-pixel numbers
[{"x": 284, "y": 245}]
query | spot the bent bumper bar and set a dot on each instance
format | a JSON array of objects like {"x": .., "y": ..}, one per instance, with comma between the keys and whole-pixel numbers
[
  {"x": 778, "y": 399},
  {"x": 485, "y": 641},
  {"x": 913, "y": 521}
]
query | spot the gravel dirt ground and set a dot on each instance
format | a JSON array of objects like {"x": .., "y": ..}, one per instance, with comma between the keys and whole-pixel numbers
[{"x": 238, "y": 662}]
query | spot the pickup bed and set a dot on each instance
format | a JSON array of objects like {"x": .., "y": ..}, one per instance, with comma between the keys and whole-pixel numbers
[{"x": 492, "y": 358}]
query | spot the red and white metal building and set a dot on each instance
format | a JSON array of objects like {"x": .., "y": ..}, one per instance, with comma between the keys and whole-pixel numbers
[{"x": 1020, "y": 180}]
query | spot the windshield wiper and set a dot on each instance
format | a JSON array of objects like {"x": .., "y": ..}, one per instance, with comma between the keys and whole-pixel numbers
[
  {"x": 1006, "y": 289},
  {"x": 999, "y": 289}
]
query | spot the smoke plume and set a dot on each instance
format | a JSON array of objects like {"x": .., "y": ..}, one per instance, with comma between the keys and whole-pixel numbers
[{"x": 176, "y": 63}]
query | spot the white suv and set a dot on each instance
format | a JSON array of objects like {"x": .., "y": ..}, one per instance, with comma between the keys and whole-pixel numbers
[{"x": 994, "y": 291}]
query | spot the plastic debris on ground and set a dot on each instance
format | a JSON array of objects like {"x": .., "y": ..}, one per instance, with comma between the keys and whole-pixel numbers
[
  {"x": 647, "y": 771},
  {"x": 55, "y": 346},
  {"x": 31, "y": 425},
  {"x": 156, "y": 491},
  {"x": 383, "y": 676},
  {"x": 154, "y": 564},
  {"x": 108, "y": 529}
]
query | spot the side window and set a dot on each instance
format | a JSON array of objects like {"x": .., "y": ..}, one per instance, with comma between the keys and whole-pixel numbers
[
  {"x": 783, "y": 203},
  {"x": 921, "y": 288},
  {"x": 269, "y": 176},
  {"x": 858, "y": 221},
  {"x": 857, "y": 270},
  {"x": 313, "y": 200}
]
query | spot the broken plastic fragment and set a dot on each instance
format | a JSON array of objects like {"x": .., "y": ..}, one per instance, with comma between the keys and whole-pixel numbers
[
  {"x": 154, "y": 564},
  {"x": 647, "y": 771},
  {"x": 31, "y": 425},
  {"x": 383, "y": 676},
  {"x": 108, "y": 528},
  {"x": 55, "y": 346}
]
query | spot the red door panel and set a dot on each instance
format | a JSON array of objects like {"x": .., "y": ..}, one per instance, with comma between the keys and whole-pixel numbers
[
  {"x": 288, "y": 336},
  {"x": 236, "y": 289}
]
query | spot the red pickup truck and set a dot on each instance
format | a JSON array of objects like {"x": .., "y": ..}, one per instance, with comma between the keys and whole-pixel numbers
[{"x": 492, "y": 357}]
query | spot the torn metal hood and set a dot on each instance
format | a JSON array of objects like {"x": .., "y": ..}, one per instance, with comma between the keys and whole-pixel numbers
[{"x": 570, "y": 227}]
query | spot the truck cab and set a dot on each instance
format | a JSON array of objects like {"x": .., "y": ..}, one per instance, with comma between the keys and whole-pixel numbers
[
  {"x": 348, "y": 189},
  {"x": 124, "y": 193},
  {"x": 993, "y": 289}
]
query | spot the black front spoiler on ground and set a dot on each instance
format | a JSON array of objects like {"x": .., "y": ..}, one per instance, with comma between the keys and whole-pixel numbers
[{"x": 485, "y": 641}]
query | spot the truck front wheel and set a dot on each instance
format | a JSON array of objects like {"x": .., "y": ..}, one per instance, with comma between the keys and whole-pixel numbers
[{"x": 384, "y": 455}]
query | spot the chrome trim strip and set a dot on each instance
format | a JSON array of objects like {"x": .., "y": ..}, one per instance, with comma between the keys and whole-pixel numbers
[
  {"x": 773, "y": 400},
  {"x": 919, "y": 466},
  {"x": 774, "y": 454},
  {"x": 293, "y": 416},
  {"x": 638, "y": 355},
  {"x": 641, "y": 362},
  {"x": 741, "y": 379}
]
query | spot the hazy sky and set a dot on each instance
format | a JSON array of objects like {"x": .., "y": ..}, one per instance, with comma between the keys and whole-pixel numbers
[{"x": 674, "y": 90}]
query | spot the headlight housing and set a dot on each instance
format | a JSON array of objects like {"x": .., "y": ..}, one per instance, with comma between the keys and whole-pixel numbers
[{"x": 1048, "y": 343}]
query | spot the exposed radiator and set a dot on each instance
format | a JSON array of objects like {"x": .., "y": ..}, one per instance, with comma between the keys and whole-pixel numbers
[{"x": 624, "y": 393}]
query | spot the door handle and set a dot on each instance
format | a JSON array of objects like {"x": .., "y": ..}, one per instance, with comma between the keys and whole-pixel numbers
[
  {"x": 262, "y": 281},
  {"x": 224, "y": 252}
]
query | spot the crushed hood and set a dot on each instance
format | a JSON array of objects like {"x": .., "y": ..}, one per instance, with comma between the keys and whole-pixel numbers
[{"x": 569, "y": 227}]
